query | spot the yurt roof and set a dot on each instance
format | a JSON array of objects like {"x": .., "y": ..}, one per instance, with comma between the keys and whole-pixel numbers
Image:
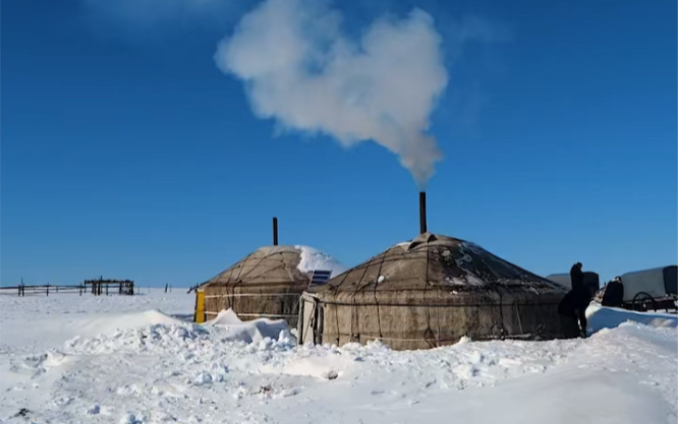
[
  {"x": 433, "y": 261},
  {"x": 277, "y": 264}
]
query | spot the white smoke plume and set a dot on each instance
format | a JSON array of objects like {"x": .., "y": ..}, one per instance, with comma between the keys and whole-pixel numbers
[{"x": 300, "y": 70}]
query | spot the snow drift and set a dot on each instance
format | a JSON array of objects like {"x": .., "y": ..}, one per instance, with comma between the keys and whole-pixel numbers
[
  {"x": 600, "y": 317},
  {"x": 255, "y": 331}
]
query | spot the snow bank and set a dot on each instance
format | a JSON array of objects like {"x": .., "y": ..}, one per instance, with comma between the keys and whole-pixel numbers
[
  {"x": 313, "y": 259},
  {"x": 60, "y": 317},
  {"x": 255, "y": 331},
  {"x": 612, "y": 377},
  {"x": 600, "y": 317},
  {"x": 111, "y": 323},
  {"x": 157, "y": 338},
  {"x": 155, "y": 332}
]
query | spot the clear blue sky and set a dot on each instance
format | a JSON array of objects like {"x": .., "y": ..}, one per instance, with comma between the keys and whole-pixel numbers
[{"x": 127, "y": 153}]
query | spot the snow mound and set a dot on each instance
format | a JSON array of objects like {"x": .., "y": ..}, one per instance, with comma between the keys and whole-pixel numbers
[
  {"x": 110, "y": 323},
  {"x": 600, "y": 317},
  {"x": 313, "y": 259},
  {"x": 172, "y": 338},
  {"x": 256, "y": 331},
  {"x": 157, "y": 333}
]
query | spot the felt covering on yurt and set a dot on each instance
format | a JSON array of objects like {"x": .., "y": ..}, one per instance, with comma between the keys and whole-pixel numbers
[
  {"x": 267, "y": 283},
  {"x": 430, "y": 292}
]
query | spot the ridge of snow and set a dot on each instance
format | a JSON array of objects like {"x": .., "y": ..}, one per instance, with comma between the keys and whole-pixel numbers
[
  {"x": 601, "y": 317},
  {"x": 254, "y": 331}
]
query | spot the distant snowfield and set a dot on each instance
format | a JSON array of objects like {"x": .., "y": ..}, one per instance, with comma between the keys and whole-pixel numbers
[{"x": 119, "y": 359}]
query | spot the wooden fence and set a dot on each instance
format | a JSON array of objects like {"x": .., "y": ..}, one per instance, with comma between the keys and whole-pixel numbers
[{"x": 44, "y": 289}]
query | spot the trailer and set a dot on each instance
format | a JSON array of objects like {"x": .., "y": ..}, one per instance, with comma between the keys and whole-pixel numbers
[{"x": 651, "y": 289}]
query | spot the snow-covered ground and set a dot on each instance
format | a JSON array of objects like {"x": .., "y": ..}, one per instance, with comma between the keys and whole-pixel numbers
[{"x": 119, "y": 359}]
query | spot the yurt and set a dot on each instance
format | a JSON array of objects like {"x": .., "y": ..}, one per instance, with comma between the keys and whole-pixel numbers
[
  {"x": 591, "y": 280},
  {"x": 430, "y": 292},
  {"x": 266, "y": 283}
]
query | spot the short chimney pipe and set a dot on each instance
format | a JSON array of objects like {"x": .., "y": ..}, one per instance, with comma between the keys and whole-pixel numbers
[
  {"x": 422, "y": 212},
  {"x": 275, "y": 231}
]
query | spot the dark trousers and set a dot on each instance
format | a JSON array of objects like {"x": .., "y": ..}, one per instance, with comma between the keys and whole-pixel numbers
[
  {"x": 573, "y": 310},
  {"x": 581, "y": 317}
]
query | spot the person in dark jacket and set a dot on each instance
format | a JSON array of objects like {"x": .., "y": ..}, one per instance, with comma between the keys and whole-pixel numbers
[
  {"x": 581, "y": 294},
  {"x": 574, "y": 304},
  {"x": 613, "y": 295},
  {"x": 577, "y": 277}
]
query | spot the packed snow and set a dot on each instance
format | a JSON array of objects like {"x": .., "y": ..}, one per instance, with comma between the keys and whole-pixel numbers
[
  {"x": 120, "y": 359},
  {"x": 313, "y": 259}
]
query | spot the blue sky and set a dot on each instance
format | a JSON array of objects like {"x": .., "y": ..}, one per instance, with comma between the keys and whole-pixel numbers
[{"x": 127, "y": 153}]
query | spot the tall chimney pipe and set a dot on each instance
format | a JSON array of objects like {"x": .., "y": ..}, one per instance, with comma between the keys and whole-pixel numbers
[
  {"x": 422, "y": 212},
  {"x": 275, "y": 231}
]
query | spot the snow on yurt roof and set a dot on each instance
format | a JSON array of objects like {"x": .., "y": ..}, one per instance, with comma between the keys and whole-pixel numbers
[
  {"x": 278, "y": 264},
  {"x": 313, "y": 259}
]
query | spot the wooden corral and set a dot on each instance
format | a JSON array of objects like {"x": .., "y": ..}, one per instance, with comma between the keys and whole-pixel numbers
[{"x": 100, "y": 287}]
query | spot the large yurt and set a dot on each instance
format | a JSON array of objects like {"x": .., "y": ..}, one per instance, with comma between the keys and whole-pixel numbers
[
  {"x": 267, "y": 283},
  {"x": 431, "y": 291}
]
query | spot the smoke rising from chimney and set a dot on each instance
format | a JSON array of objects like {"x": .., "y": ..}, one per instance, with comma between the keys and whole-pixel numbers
[{"x": 300, "y": 70}]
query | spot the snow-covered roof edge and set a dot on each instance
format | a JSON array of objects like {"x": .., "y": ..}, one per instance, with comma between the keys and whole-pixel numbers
[{"x": 312, "y": 259}]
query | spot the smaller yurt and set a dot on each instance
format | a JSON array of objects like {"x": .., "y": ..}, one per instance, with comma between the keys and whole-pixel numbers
[
  {"x": 655, "y": 282},
  {"x": 267, "y": 283},
  {"x": 430, "y": 292},
  {"x": 591, "y": 280}
]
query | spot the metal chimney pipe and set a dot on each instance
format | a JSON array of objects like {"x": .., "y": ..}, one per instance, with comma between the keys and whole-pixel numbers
[
  {"x": 275, "y": 231},
  {"x": 422, "y": 212}
]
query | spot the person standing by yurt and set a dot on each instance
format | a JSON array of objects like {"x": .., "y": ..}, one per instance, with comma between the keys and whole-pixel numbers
[{"x": 574, "y": 304}]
